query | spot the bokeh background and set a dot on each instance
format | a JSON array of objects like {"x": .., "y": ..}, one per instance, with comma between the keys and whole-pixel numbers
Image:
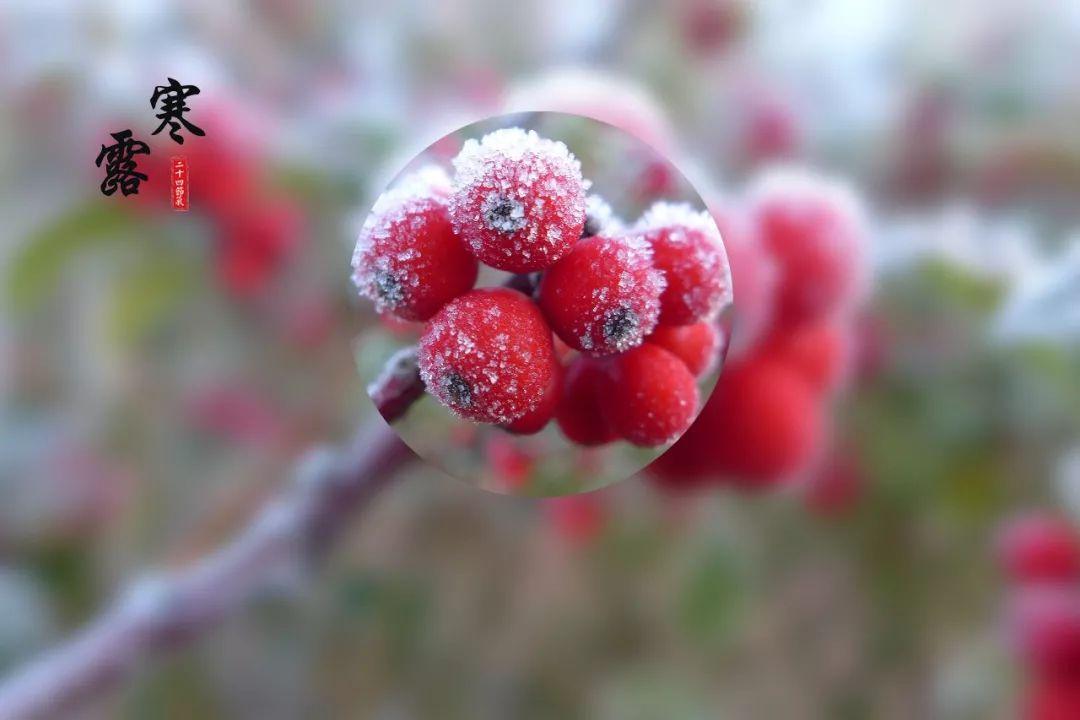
[{"x": 161, "y": 372}]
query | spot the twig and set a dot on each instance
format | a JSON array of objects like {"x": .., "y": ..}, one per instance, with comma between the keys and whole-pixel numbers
[
  {"x": 398, "y": 386},
  {"x": 171, "y": 608}
]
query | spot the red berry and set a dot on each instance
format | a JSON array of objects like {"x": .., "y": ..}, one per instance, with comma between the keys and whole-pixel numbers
[
  {"x": 487, "y": 355},
  {"x": 687, "y": 249},
  {"x": 407, "y": 259},
  {"x": 518, "y": 200},
  {"x": 835, "y": 487},
  {"x": 1045, "y": 626},
  {"x": 577, "y": 518},
  {"x": 761, "y": 424},
  {"x": 697, "y": 345},
  {"x": 1039, "y": 548},
  {"x": 813, "y": 230},
  {"x": 510, "y": 463},
  {"x": 649, "y": 398},
  {"x": 819, "y": 352},
  {"x": 1053, "y": 699},
  {"x": 537, "y": 419},
  {"x": 753, "y": 277},
  {"x": 578, "y": 414},
  {"x": 604, "y": 297}
]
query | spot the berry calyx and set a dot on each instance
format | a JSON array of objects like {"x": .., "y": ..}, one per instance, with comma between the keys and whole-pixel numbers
[
  {"x": 487, "y": 356},
  {"x": 518, "y": 200},
  {"x": 697, "y": 345},
  {"x": 650, "y": 397},
  {"x": 604, "y": 297},
  {"x": 578, "y": 413},
  {"x": 408, "y": 260},
  {"x": 687, "y": 249}
]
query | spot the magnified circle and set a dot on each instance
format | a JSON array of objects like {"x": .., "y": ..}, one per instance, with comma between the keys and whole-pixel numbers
[{"x": 553, "y": 304}]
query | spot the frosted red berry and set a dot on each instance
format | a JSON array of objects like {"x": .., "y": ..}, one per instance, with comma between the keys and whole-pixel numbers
[
  {"x": 1039, "y": 547},
  {"x": 537, "y": 419},
  {"x": 604, "y": 297},
  {"x": 650, "y": 397},
  {"x": 518, "y": 200},
  {"x": 408, "y": 260},
  {"x": 578, "y": 413},
  {"x": 487, "y": 355},
  {"x": 761, "y": 424},
  {"x": 697, "y": 345},
  {"x": 687, "y": 250},
  {"x": 812, "y": 229}
]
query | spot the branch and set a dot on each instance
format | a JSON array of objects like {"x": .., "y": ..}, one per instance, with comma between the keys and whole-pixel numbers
[
  {"x": 169, "y": 609},
  {"x": 398, "y": 385}
]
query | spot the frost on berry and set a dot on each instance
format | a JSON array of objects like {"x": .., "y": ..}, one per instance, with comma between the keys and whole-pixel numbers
[
  {"x": 488, "y": 356},
  {"x": 604, "y": 297},
  {"x": 518, "y": 200},
  {"x": 688, "y": 249},
  {"x": 600, "y": 219},
  {"x": 407, "y": 259}
]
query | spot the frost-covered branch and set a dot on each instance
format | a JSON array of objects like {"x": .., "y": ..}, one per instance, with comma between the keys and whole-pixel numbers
[{"x": 170, "y": 608}]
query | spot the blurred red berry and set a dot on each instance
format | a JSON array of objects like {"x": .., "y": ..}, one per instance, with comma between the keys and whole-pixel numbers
[
  {"x": 254, "y": 243},
  {"x": 509, "y": 462},
  {"x": 835, "y": 487},
  {"x": 488, "y": 356},
  {"x": 1039, "y": 547},
  {"x": 518, "y": 201},
  {"x": 408, "y": 260},
  {"x": 1045, "y": 626},
  {"x": 697, "y": 345},
  {"x": 761, "y": 424},
  {"x": 1052, "y": 699},
  {"x": 812, "y": 229},
  {"x": 753, "y": 276},
  {"x": 578, "y": 414},
  {"x": 577, "y": 518},
  {"x": 604, "y": 297},
  {"x": 819, "y": 352},
  {"x": 649, "y": 397}
]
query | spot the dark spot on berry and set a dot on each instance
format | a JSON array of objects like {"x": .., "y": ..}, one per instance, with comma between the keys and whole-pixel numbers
[
  {"x": 388, "y": 289},
  {"x": 621, "y": 327},
  {"x": 503, "y": 213},
  {"x": 457, "y": 390}
]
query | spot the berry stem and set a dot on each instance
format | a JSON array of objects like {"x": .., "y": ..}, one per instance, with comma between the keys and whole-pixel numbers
[
  {"x": 169, "y": 609},
  {"x": 398, "y": 386}
]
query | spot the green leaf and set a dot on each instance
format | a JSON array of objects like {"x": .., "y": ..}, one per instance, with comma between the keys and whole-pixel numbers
[{"x": 38, "y": 264}]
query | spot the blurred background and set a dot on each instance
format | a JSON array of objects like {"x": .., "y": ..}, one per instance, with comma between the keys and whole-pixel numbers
[{"x": 161, "y": 372}]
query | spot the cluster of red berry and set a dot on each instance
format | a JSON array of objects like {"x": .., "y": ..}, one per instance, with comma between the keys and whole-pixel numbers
[
  {"x": 1040, "y": 557},
  {"x": 629, "y": 311},
  {"x": 795, "y": 247}
]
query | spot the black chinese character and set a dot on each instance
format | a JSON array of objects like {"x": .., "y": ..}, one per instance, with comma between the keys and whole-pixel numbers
[
  {"x": 173, "y": 108},
  {"x": 120, "y": 164}
]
